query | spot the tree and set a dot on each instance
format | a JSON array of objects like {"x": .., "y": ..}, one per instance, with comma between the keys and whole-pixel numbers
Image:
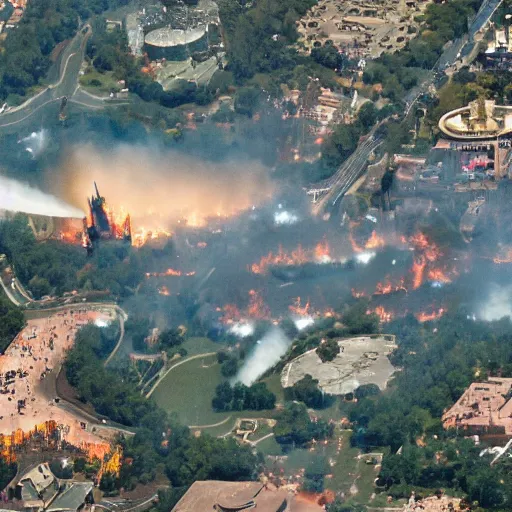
[
  {"x": 338, "y": 505},
  {"x": 358, "y": 321},
  {"x": 240, "y": 397},
  {"x": 229, "y": 367},
  {"x": 170, "y": 338},
  {"x": 247, "y": 100},
  {"x": 295, "y": 428},
  {"x": 327, "y": 56},
  {"x": 367, "y": 115},
  {"x": 328, "y": 350},
  {"x": 366, "y": 390},
  {"x": 223, "y": 397},
  {"x": 11, "y": 322},
  {"x": 79, "y": 465},
  {"x": 314, "y": 474},
  {"x": 7, "y": 472},
  {"x": 306, "y": 390}
]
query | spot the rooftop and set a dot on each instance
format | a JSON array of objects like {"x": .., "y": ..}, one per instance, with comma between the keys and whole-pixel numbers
[
  {"x": 482, "y": 407},
  {"x": 72, "y": 498},
  {"x": 168, "y": 36},
  {"x": 480, "y": 120},
  {"x": 362, "y": 360},
  {"x": 40, "y": 477},
  {"x": 215, "y": 495}
]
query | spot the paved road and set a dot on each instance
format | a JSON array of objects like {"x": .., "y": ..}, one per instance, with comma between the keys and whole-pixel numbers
[{"x": 348, "y": 173}]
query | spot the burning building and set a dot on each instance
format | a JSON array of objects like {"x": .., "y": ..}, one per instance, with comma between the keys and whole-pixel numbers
[{"x": 102, "y": 224}]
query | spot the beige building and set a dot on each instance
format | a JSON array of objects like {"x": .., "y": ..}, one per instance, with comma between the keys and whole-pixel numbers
[
  {"x": 485, "y": 407},
  {"x": 217, "y": 496},
  {"x": 480, "y": 120}
]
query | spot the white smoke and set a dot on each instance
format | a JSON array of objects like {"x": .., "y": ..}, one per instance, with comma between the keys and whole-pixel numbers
[
  {"x": 266, "y": 354},
  {"x": 498, "y": 303},
  {"x": 20, "y": 197},
  {"x": 242, "y": 329},
  {"x": 284, "y": 217},
  {"x": 364, "y": 257},
  {"x": 301, "y": 322},
  {"x": 36, "y": 142}
]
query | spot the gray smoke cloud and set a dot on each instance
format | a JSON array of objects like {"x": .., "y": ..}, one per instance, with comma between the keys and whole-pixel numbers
[
  {"x": 266, "y": 354},
  {"x": 498, "y": 303},
  {"x": 20, "y": 197}
]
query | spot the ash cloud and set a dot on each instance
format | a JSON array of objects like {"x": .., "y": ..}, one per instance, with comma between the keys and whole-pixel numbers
[
  {"x": 20, "y": 197},
  {"x": 265, "y": 355},
  {"x": 157, "y": 185}
]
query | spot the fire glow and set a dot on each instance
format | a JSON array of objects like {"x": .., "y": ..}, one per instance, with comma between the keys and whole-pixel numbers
[
  {"x": 319, "y": 254},
  {"x": 384, "y": 315},
  {"x": 170, "y": 272},
  {"x": 430, "y": 316},
  {"x": 256, "y": 310},
  {"x": 375, "y": 241}
]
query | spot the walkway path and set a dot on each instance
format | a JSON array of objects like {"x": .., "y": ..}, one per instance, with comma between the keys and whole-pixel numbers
[{"x": 212, "y": 425}]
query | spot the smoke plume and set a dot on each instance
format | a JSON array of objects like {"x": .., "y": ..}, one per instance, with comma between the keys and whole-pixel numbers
[
  {"x": 498, "y": 303},
  {"x": 266, "y": 354},
  {"x": 155, "y": 186},
  {"x": 20, "y": 197}
]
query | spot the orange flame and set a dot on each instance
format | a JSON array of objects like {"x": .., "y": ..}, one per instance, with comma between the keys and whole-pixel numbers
[
  {"x": 384, "y": 316},
  {"x": 388, "y": 287},
  {"x": 163, "y": 290},
  {"x": 296, "y": 257},
  {"x": 257, "y": 308},
  {"x": 436, "y": 274},
  {"x": 322, "y": 251},
  {"x": 298, "y": 309},
  {"x": 418, "y": 271},
  {"x": 505, "y": 258},
  {"x": 428, "y": 317},
  {"x": 170, "y": 272},
  {"x": 231, "y": 314},
  {"x": 375, "y": 241}
]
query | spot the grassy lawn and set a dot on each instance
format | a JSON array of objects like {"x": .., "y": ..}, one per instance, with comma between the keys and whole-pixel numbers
[
  {"x": 201, "y": 346},
  {"x": 274, "y": 384},
  {"x": 345, "y": 471},
  {"x": 269, "y": 446},
  {"x": 98, "y": 83},
  {"x": 188, "y": 391}
]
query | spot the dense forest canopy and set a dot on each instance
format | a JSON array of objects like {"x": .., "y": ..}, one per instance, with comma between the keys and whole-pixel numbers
[{"x": 26, "y": 54}]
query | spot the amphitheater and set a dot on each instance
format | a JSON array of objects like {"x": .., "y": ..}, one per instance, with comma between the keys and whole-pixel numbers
[{"x": 362, "y": 360}]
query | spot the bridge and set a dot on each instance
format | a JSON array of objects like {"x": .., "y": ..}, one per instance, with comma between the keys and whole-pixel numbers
[{"x": 328, "y": 192}]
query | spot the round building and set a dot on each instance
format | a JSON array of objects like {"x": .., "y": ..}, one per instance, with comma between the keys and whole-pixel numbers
[{"x": 173, "y": 44}]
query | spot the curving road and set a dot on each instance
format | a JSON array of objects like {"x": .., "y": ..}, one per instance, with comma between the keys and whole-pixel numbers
[{"x": 67, "y": 85}]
